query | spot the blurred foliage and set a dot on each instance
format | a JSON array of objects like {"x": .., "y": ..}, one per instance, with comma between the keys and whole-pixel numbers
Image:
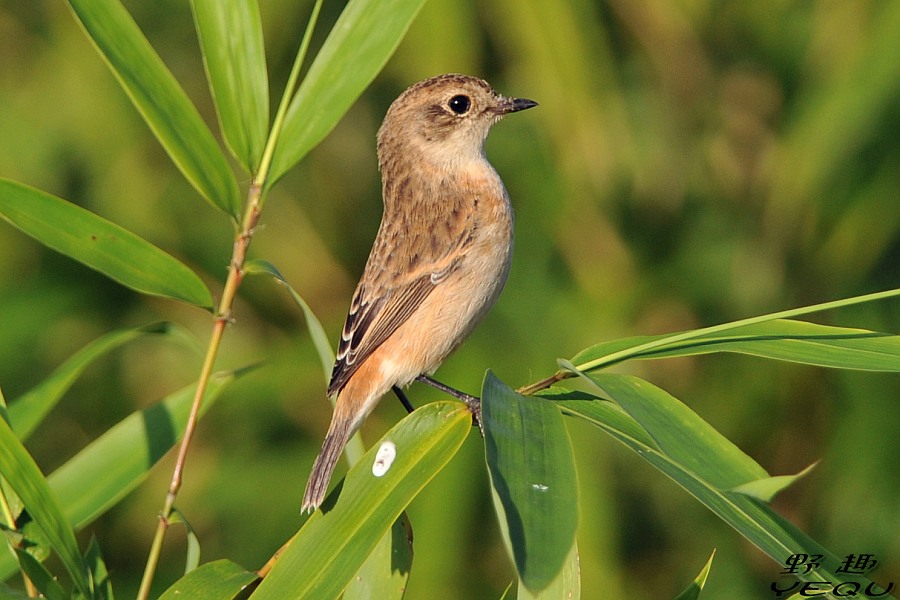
[{"x": 691, "y": 162}]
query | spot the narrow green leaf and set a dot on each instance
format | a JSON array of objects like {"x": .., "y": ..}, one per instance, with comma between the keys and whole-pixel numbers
[
  {"x": 259, "y": 266},
  {"x": 364, "y": 37},
  {"x": 217, "y": 580},
  {"x": 99, "y": 573},
  {"x": 27, "y": 411},
  {"x": 385, "y": 573},
  {"x": 354, "y": 448},
  {"x": 680, "y": 433},
  {"x": 108, "y": 468},
  {"x": 160, "y": 100},
  {"x": 334, "y": 542},
  {"x": 567, "y": 583},
  {"x": 765, "y": 489},
  {"x": 42, "y": 579},
  {"x": 532, "y": 471},
  {"x": 192, "y": 560},
  {"x": 232, "y": 42},
  {"x": 602, "y": 410},
  {"x": 702, "y": 461},
  {"x": 611, "y": 353},
  {"x": 795, "y": 341},
  {"x": 24, "y": 476},
  {"x": 115, "y": 463},
  {"x": 692, "y": 592},
  {"x": 99, "y": 244}
]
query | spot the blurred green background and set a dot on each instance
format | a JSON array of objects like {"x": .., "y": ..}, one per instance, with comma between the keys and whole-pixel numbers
[{"x": 692, "y": 162}]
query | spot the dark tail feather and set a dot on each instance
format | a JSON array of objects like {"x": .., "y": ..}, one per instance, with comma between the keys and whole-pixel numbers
[{"x": 323, "y": 468}]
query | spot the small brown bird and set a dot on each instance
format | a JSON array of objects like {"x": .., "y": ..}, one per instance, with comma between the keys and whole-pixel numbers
[{"x": 439, "y": 260}]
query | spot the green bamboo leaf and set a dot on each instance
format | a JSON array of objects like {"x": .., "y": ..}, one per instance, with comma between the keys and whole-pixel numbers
[
  {"x": 630, "y": 350},
  {"x": 217, "y": 580},
  {"x": 232, "y": 42},
  {"x": 111, "y": 466},
  {"x": 692, "y": 592},
  {"x": 160, "y": 100},
  {"x": 385, "y": 573},
  {"x": 99, "y": 244},
  {"x": 99, "y": 573},
  {"x": 354, "y": 448},
  {"x": 364, "y": 37},
  {"x": 23, "y": 475},
  {"x": 192, "y": 560},
  {"x": 794, "y": 341},
  {"x": 28, "y": 411},
  {"x": 699, "y": 459},
  {"x": 259, "y": 266},
  {"x": 680, "y": 433},
  {"x": 335, "y": 541},
  {"x": 567, "y": 583},
  {"x": 532, "y": 471},
  {"x": 43, "y": 580},
  {"x": 767, "y": 488}
]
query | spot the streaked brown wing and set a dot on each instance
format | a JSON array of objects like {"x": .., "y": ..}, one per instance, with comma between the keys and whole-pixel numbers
[{"x": 369, "y": 324}]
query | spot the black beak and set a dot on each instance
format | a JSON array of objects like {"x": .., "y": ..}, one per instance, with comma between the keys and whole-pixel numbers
[{"x": 516, "y": 104}]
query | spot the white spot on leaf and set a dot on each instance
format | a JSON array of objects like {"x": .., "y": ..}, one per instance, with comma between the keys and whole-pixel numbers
[{"x": 384, "y": 458}]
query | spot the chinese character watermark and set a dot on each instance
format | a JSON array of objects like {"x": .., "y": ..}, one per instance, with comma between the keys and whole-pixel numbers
[{"x": 853, "y": 564}]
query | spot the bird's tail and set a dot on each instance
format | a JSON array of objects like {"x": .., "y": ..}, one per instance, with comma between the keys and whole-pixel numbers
[{"x": 338, "y": 434}]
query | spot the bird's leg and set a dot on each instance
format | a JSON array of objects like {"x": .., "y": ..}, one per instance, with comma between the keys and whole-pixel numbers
[
  {"x": 401, "y": 396},
  {"x": 473, "y": 403}
]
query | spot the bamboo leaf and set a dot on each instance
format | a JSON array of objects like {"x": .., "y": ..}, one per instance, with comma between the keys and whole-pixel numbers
[
  {"x": 115, "y": 463},
  {"x": 335, "y": 541},
  {"x": 679, "y": 433},
  {"x": 316, "y": 331},
  {"x": 767, "y": 488},
  {"x": 783, "y": 339},
  {"x": 232, "y": 42},
  {"x": 692, "y": 592},
  {"x": 29, "y": 410},
  {"x": 192, "y": 559},
  {"x": 364, "y": 37},
  {"x": 42, "y": 579},
  {"x": 99, "y": 573},
  {"x": 217, "y": 580},
  {"x": 99, "y": 244},
  {"x": 160, "y": 100},
  {"x": 385, "y": 573},
  {"x": 699, "y": 459},
  {"x": 23, "y": 475},
  {"x": 567, "y": 583},
  {"x": 354, "y": 448},
  {"x": 532, "y": 470}
]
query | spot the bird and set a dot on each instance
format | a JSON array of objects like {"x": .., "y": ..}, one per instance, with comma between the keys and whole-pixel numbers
[{"x": 439, "y": 260}]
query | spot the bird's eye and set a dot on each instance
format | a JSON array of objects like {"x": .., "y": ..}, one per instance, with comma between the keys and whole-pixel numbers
[{"x": 460, "y": 104}]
